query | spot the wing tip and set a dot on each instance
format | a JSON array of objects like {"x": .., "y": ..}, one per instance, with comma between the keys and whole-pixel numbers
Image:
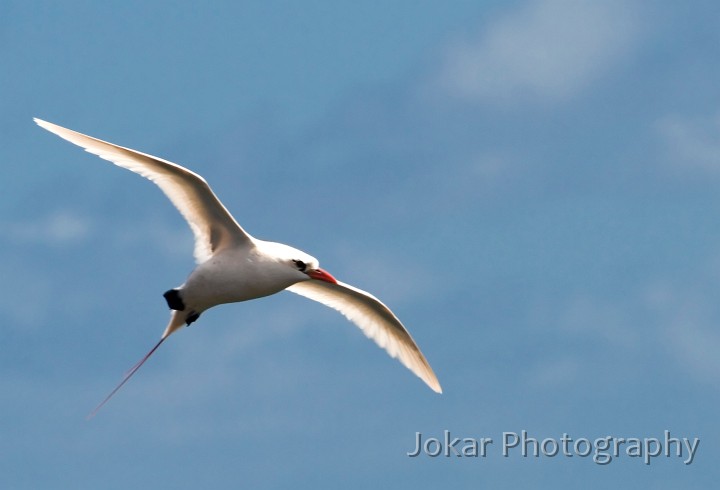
[
  {"x": 433, "y": 383},
  {"x": 53, "y": 128}
]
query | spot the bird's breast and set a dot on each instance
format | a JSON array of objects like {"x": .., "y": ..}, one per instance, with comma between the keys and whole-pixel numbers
[{"x": 232, "y": 279}]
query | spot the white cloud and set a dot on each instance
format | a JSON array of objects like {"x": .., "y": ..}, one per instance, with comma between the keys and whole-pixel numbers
[
  {"x": 695, "y": 346},
  {"x": 688, "y": 321},
  {"x": 693, "y": 142},
  {"x": 552, "y": 373},
  {"x": 677, "y": 324},
  {"x": 601, "y": 319},
  {"x": 65, "y": 227},
  {"x": 547, "y": 49},
  {"x": 58, "y": 228}
]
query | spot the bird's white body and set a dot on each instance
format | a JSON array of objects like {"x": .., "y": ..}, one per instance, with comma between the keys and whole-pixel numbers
[
  {"x": 234, "y": 266},
  {"x": 234, "y": 275}
]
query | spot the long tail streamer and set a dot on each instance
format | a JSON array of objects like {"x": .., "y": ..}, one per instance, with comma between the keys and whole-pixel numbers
[{"x": 125, "y": 379}]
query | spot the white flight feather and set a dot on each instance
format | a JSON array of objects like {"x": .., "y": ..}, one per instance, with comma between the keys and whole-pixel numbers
[
  {"x": 215, "y": 229},
  {"x": 213, "y": 226},
  {"x": 374, "y": 319}
]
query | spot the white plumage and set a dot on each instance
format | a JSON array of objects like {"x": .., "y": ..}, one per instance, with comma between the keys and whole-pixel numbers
[{"x": 234, "y": 266}]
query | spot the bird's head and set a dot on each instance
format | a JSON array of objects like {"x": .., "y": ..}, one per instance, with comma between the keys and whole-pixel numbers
[
  {"x": 311, "y": 267},
  {"x": 303, "y": 266}
]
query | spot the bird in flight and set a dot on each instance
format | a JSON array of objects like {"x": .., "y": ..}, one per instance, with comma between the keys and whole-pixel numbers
[{"x": 234, "y": 266}]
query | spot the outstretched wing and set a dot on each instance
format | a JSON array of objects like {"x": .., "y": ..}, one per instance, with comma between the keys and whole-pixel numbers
[
  {"x": 213, "y": 226},
  {"x": 374, "y": 319}
]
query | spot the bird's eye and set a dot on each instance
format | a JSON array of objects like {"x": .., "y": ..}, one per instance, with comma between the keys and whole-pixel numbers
[{"x": 300, "y": 265}]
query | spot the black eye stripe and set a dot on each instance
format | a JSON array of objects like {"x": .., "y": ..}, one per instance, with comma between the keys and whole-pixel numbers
[{"x": 300, "y": 265}]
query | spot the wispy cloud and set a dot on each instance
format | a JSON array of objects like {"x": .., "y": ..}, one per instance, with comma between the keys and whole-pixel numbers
[
  {"x": 688, "y": 324},
  {"x": 555, "y": 372},
  {"x": 693, "y": 142},
  {"x": 61, "y": 227},
  {"x": 547, "y": 49},
  {"x": 666, "y": 320}
]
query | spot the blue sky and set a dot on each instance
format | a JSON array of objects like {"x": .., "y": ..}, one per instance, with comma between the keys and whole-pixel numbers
[{"x": 532, "y": 186}]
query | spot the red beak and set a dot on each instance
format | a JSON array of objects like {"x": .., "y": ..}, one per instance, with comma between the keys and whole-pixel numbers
[{"x": 321, "y": 275}]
